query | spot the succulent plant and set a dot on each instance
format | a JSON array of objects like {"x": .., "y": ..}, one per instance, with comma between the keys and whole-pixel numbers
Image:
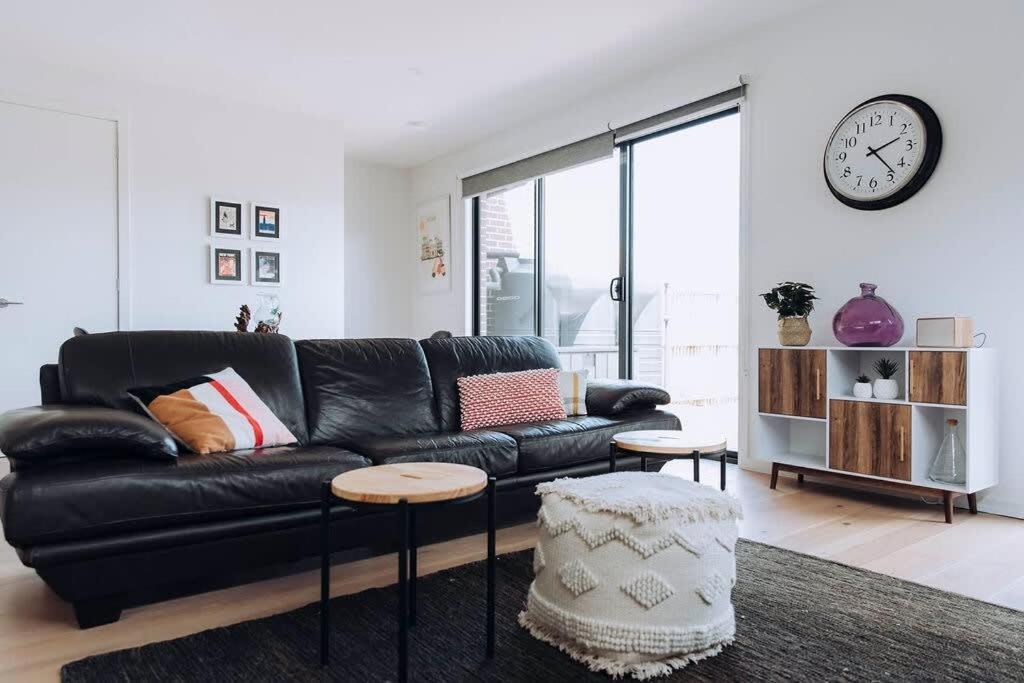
[
  {"x": 863, "y": 379},
  {"x": 886, "y": 367},
  {"x": 790, "y": 299}
]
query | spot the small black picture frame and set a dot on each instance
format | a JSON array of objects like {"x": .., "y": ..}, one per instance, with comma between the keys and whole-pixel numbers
[
  {"x": 265, "y": 222},
  {"x": 265, "y": 268},
  {"x": 226, "y": 219},
  {"x": 226, "y": 266}
]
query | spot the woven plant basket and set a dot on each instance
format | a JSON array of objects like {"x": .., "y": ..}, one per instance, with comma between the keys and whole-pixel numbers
[{"x": 794, "y": 331}]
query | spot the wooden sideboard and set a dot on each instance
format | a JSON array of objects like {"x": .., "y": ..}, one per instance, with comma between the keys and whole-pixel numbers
[{"x": 809, "y": 422}]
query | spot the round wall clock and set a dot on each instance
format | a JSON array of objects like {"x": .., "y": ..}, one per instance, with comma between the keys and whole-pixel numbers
[{"x": 882, "y": 152}]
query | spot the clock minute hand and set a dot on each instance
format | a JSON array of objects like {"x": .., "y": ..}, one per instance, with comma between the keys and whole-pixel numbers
[
  {"x": 879, "y": 157},
  {"x": 875, "y": 151}
]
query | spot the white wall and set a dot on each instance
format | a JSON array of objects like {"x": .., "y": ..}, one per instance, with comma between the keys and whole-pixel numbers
[
  {"x": 180, "y": 148},
  {"x": 955, "y": 247},
  {"x": 378, "y": 250}
]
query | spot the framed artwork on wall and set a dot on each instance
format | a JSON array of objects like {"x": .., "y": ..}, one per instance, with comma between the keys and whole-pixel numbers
[
  {"x": 264, "y": 221},
  {"x": 433, "y": 238},
  {"x": 226, "y": 219},
  {"x": 226, "y": 266},
  {"x": 265, "y": 267}
]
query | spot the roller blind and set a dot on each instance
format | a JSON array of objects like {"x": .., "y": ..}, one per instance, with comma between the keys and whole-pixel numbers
[
  {"x": 567, "y": 156},
  {"x": 678, "y": 115},
  {"x": 593, "y": 148}
]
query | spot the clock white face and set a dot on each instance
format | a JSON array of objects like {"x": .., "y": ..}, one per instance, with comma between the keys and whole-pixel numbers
[{"x": 875, "y": 151}]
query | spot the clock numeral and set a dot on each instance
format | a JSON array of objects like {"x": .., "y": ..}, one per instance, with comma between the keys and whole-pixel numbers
[
  {"x": 892, "y": 119},
  {"x": 851, "y": 141},
  {"x": 902, "y": 162},
  {"x": 910, "y": 145},
  {"x": 872, "y": 183},
  {"x": 904, "y": 129},
  {"x": 841, "y": 156},
  {"x": 862, "y": 128},
  {"x": 876, "y": 120},
  {"x": 859, "y": 178},
  {"x": 891, "y": 177},
  {"x": 846, "y": 172}
]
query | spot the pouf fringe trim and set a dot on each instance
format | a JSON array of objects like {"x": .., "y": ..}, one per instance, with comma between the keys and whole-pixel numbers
[
  {"x": 645, "y": 497},
  {"x": 641, "y": 671}
]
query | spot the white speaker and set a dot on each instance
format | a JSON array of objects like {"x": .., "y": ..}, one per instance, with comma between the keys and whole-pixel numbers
[{"x": 946, "y": 332}]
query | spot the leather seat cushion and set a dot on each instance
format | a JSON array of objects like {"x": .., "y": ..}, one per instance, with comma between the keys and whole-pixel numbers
[
  {"x": 495, "y": 453},
  {"x": 365, "y": 387},
  {"x": 584, "y": 438},
  {"x": 96, "y": 369},
  {"x": 456, "y": 357},
  {"x": 117, "y": 495}
]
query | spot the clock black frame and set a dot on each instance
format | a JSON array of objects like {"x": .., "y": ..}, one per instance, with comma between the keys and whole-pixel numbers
[{"x": 933, "y": 148}]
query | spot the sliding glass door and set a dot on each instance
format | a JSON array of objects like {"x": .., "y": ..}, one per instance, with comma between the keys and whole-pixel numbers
[
  {"x": 650, "y": 291},
  {"x": 685, "y": 270}
]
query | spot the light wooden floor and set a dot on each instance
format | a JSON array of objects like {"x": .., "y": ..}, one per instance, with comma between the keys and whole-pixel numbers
[{"x": 981, "y": 556}]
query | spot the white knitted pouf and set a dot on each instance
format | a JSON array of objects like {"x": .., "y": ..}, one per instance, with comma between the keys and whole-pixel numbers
[{"x": 634, "y": 572}]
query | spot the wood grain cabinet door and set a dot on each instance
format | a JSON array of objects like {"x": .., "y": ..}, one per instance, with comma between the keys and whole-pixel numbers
[
  {"x": 938, "y": 377},
  {"x": 791, "y": 382},
  {"x": 870, "y": 438}
]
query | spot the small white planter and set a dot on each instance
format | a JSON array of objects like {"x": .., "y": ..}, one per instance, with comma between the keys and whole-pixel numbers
[
  {"x": 862, "y": 389},
  {"x": 886, "y": 388}
]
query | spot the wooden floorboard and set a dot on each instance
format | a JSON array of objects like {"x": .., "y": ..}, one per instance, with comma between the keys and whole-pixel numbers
[{"x": 981, "y": 556}]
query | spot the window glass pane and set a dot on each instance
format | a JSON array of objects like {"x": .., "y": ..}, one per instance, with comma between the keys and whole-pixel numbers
[
  {"x": 581, "y": 256},
  {"x": 506, "y": 240},
  {"x": 686, "y": 271}
]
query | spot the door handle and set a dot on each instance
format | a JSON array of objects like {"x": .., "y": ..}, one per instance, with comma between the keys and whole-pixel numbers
[
  {"x": 4, "y": 303},
  {"x": 615, "y": 289},
  {"x": 902, "y": 446}
]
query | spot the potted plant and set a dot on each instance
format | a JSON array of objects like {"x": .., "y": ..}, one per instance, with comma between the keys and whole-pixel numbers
[
  {"x": 793, "y": 301},
  {"x": 886, "y": 387},
  {"x": 862, "y": 387}
]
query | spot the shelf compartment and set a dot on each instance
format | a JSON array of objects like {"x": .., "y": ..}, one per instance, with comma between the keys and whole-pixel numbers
[
  {"x": 792, "y": 440},
  {"x": 844, "y": 365},
  {"x": 929, "y": 423}
]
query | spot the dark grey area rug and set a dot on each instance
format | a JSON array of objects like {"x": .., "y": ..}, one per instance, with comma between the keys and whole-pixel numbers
[{"x": 797, "y": 618}]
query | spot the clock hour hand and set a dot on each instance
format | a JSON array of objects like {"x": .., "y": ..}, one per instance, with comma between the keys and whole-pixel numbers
[{"x": 879, "y": 157}]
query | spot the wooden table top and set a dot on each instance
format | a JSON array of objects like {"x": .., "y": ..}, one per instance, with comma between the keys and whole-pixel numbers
[
  {"x": 668, "y": 442},
  {"x": 416, "y": 482}
]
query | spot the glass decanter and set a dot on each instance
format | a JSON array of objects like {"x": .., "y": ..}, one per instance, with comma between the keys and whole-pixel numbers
[{"x": 950, "y": 464}]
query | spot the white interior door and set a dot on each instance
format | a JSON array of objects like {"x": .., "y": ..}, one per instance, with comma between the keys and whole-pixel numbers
[{"x": 58, "y": 239}]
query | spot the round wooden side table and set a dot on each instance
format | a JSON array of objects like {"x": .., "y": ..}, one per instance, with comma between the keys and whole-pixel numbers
[
  {"x": 406, "y": 487},
  {"x": 669, "y": 444}
]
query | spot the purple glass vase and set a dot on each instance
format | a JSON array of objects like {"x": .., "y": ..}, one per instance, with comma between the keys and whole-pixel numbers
[{"x": 867, "y": 320}]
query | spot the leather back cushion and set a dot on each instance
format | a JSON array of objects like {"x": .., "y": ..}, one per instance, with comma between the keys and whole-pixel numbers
[
  {"x": 365, "y": 387},
  {"x": 457, "y": 357},
  {"x": 97, "y": 369}
]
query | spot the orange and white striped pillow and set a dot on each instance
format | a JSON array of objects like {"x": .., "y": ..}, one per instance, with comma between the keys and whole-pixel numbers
[
  {"x": 505, "y": 398},
  {"x": 214, "y": 413}
]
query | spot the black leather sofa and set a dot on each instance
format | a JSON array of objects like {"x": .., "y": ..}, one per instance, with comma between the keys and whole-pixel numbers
[{"x": 103, "y": 507}]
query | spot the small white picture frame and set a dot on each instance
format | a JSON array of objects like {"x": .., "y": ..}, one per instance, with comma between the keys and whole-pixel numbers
[
  {"x": 227, "y": 265},
  {"x": 265, "y": 267},
  {"x": 226, "y": 219},
  {"x": 265, "y": 221}
]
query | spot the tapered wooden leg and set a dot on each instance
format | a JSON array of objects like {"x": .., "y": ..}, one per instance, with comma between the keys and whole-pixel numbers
[
  {"x": 972, "y": 503},
  {"x": 947, "y": 504},
  {"x": 775, "y": 474},
  {"x": 800, "y": 479}
]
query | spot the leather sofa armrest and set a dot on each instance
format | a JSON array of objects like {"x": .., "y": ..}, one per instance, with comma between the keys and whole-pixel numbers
[
  {"x": 614, "y": 396},
  {"x": 52, "y": 432}
]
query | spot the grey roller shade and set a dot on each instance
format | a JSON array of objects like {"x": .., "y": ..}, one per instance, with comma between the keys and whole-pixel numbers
[
  {"x": 672, "y": 116},
  {"x": 574, "y": 154}
]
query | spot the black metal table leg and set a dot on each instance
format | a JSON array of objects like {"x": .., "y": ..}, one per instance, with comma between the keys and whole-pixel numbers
[
  {"x": 412, "y": 566},
  {"x": 403, "y": 591},
  {"x": 325, "y": 569},
  {"x": 611, "y": 457},
  {"x": 492, "y": 508},
  {"x": 721, "y": 459},
  {"x": 696, "y": 466},
  {"x": 643, "y": 463}
]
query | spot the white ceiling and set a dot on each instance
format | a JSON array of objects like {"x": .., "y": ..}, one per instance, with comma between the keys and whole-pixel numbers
[{"x": 464, "y": 69}]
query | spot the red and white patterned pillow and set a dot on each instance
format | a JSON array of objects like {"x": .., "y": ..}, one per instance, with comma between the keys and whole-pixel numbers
[{"x": 509, "y": 398}]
